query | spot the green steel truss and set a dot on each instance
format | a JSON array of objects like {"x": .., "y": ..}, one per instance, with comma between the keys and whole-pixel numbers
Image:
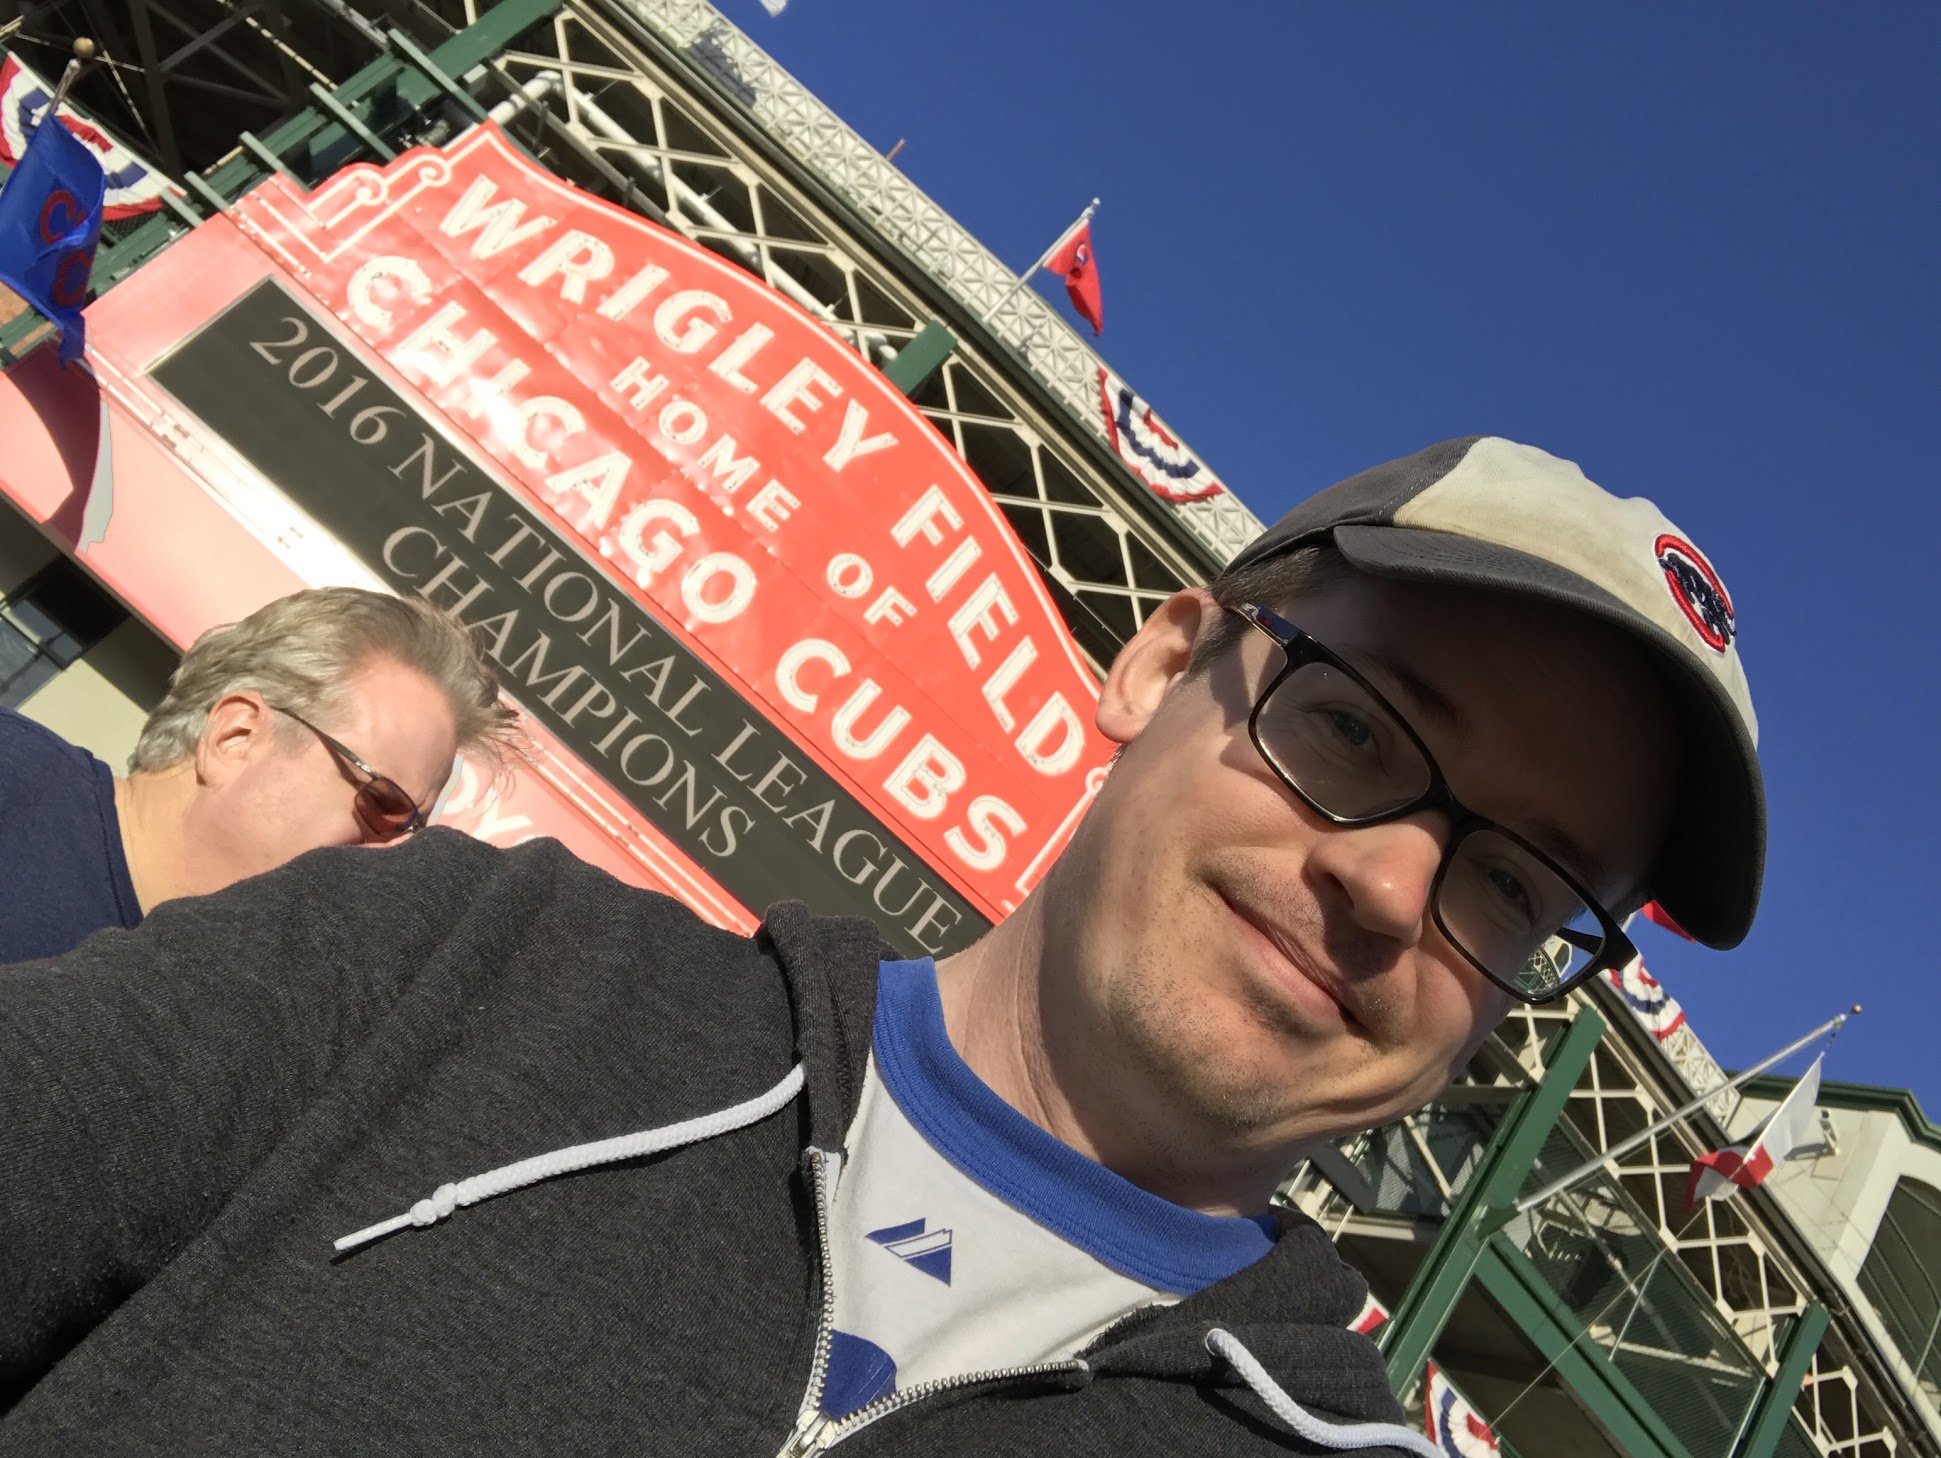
[{"x": 1679, "y": 1335}]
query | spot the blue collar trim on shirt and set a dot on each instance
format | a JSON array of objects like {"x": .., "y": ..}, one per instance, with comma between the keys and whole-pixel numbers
[{"x": 1131, "y": 1230}]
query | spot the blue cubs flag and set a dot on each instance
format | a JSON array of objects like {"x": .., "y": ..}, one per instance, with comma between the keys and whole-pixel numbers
[
  {"x": 134, "y": 188},
  {"x": 50, "y": 221}
]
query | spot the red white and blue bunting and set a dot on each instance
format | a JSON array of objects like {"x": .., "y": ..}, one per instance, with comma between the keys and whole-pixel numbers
[
  {"x": 1653, "y": 1007},
  {"x": 1150, "y": 451},
  {"x": 134, "y": 188},
  {"x": 1453, "y": 1424}
]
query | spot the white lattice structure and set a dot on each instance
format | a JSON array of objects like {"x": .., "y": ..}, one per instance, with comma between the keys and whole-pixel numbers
[
  {"x": 1743, "y": 1254},
  {"x": 822, "y": 141}
]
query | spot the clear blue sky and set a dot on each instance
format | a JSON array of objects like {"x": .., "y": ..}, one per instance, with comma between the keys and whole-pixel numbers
[{"x": 1693, "y": 248}]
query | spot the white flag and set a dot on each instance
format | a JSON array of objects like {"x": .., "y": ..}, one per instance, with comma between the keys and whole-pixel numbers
[{"x": 1793, "y": 1124}]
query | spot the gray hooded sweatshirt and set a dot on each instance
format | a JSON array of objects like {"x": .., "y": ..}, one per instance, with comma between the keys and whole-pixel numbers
[{"x": 575, "y": 1137}]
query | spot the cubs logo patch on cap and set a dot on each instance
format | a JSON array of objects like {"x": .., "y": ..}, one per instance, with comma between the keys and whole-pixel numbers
[
  {"x": 1696, "y": 588},
  {"x": 1486, "y": 512}
]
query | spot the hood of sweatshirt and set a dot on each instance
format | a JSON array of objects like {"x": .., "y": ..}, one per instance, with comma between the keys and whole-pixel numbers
[
  {"x": 829, "y": 964},
  {"x": 1290, "y": 1308}
]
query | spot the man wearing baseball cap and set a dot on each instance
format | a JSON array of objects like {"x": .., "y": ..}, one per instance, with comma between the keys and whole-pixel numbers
[{"x": 478, "y": 1151}]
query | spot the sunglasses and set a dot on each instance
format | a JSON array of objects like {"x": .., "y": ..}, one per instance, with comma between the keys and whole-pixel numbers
[{"x": 382, "y": 806}]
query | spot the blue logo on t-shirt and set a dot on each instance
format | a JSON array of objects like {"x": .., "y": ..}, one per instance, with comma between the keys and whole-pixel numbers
[
  {"x": 929, "y": 1253},
  {"x": 859, "y": 1373}
]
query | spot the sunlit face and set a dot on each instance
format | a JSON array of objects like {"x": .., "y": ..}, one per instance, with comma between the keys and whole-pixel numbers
[
  {"x": 1281, "y": 977},
  {"x": 270, "y": 789}
]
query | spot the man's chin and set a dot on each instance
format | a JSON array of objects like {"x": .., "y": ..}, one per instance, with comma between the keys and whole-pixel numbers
[{"x": 1235, "y": 1078}]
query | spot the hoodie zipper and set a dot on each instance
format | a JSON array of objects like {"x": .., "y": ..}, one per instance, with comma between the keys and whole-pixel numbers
[
  {"x": 815, "y": 1431},
  {"x": 809, "y": 1424}
]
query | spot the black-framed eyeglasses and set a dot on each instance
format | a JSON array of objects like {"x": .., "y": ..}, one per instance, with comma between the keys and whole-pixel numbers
[
  {"x": 383, "y": 807},
  {"x": 1521, "y": 919}
]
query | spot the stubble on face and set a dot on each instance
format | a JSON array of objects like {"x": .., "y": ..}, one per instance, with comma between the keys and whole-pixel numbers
[
  {"x": 1219, "y": 1044},
  {"x": 1179, "y": 1046},
  {"x": 1174, "y": 1013},
  {"x": 1178, "y": 1107}
]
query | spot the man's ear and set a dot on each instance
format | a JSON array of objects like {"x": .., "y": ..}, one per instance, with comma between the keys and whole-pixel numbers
[
  {"x": 1152, "y": 661},
  {"x": 240, "y": 726}
]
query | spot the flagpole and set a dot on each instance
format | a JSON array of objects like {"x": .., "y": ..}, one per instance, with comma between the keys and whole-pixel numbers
[
  {"x": 1024, "y": 279},
  {"x": 83, "y": 53},
  {"x": 1625, "y": 1146}
]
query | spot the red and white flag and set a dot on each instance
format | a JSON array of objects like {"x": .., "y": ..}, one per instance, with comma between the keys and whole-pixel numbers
[
  {"x": 1794, "y": 1123},
  {"x": 1074, "y": 258}
]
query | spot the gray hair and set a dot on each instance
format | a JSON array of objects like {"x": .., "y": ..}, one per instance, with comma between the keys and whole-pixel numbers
[{"x": 300, "y": 651}]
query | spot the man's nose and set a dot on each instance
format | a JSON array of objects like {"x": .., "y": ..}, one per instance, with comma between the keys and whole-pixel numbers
[{"x": 1386, "y": 872}]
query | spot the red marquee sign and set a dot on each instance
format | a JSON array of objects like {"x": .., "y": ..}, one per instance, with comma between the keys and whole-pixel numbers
[{"x": 726, "y": 460}]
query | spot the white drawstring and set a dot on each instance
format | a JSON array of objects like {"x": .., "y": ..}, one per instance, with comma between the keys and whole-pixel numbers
[
  {"x": 447, "y": 1198},
  {"x": 1342, "y": 1437}
]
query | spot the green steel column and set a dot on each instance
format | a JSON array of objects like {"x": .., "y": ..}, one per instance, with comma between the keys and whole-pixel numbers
[
  {"x": 1613, "y": 1401},
  {"x": 921, "y": 358},
  {"x": 1410, "y": 1332},
  {"x": 1776, "y": 1402}
]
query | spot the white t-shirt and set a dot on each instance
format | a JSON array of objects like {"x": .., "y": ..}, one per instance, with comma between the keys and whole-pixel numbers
[{"x": 965, "y": 1238}]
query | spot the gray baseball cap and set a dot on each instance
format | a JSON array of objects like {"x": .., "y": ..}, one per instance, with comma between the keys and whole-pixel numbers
[{"x": 1487, "y": 512}]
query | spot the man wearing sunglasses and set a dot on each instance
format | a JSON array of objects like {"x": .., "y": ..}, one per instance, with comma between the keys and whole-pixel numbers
[
  {"x": 546, "y": 1165},
  {"x": 232, "y": 774}
]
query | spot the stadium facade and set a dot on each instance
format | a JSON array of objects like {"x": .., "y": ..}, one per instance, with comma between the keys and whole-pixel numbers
[{"x": 367, "y": 315}]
